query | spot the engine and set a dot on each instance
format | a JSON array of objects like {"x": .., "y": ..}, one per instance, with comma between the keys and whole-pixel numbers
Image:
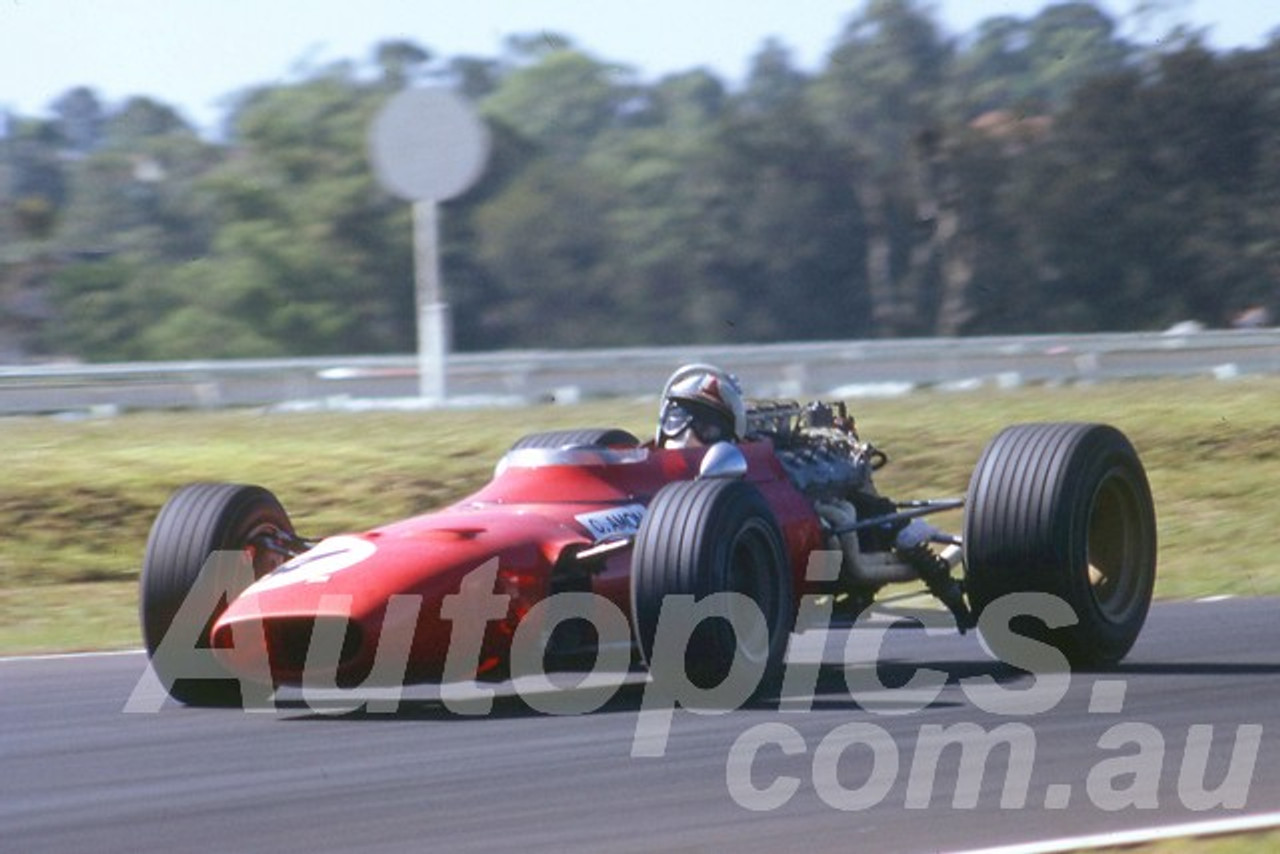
[{"x": 819, "y": 447}]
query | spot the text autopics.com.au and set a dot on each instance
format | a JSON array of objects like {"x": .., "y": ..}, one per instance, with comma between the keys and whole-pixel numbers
[{"x": 854, "y": 766}]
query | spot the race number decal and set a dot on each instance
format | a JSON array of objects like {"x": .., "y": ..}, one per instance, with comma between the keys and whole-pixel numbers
[
  {"x": 614, "y": 522},
  {"x": 317, "y": 565}
]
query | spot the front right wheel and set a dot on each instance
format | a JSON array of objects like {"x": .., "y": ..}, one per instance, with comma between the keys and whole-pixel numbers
[
  {"x": 197, "y": 521},
  {"x": 1064, "y": 510}
]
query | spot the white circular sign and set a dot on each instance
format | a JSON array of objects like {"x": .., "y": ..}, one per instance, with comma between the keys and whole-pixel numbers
[{"x": 428, "y": 145}]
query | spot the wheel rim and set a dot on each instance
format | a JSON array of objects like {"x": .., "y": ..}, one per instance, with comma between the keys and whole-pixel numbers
[
  {"x": 1118, "y": 550},
  {"x": 752, "y": 574}
]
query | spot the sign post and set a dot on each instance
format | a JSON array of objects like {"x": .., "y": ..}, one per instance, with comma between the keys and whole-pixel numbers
[
  {"x": 433, "y": 311},
  {"x": 428, "y": 146}
]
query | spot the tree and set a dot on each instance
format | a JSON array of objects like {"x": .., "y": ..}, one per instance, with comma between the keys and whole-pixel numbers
[
  {"x": 37, "y": 180},
  {"x": 81, "y": 119},
  {"x": 140, "y": 120},
  {"x": 546, "y": 242},
  {"x": 995, "y": 71},
  {"x": 103, "y": 305},
  {"x": 1069, "y": 44},
  {"x": 561, "y": 101},
  {"x": 882, "y": 87},
  {"x": 402, "y": 62},
  {"x": 658, "y": 175},
  {"x": 786, "y": 208},
  {"x": 1039, "y": 174},
  {"x": 136, "y": 190},
  {"x": 315, "y": 256},
  {"x": 475, "y": 78},
  {"x": 773, "y": 82},
  {"x": 1139, "y": 204}
]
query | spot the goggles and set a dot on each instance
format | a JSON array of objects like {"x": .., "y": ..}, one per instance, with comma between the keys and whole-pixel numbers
[{"x": 677, "y": 418}]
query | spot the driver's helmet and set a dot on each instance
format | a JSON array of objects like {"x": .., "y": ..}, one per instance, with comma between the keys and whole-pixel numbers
[{"x": 701, "y": 405}]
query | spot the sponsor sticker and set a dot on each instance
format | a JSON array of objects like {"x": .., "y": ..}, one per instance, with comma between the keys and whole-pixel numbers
[{"x": 616, "y": 521}]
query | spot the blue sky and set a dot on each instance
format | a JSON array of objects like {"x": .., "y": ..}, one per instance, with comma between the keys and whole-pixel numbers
[{"x": 193, "y": 53}]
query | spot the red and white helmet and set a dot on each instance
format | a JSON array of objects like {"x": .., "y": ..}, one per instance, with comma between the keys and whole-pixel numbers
[{"x": 703, "y": 398}]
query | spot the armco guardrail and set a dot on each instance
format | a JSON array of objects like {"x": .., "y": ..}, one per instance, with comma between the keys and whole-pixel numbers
[{"x": 794, "y": 369}]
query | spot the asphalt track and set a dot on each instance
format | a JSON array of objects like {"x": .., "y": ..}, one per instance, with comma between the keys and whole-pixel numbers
[{"x": 78, "y": 773}]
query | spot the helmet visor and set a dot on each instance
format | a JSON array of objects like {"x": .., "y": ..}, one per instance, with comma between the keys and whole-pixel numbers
[{"x": 709, "y": 426}]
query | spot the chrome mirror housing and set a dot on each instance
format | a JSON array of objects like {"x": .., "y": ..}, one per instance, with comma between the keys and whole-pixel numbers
[{"x": 723, "y": 460}]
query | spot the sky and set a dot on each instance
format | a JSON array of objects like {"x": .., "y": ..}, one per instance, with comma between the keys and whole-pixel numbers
[{"x": 193, "y": 54}]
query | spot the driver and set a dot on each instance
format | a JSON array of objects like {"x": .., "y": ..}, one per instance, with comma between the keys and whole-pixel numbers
[{"x": 701, "y": 405}]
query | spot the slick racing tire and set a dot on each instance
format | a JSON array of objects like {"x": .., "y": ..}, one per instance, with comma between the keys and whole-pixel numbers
[
  {"x": 591, "y": 437},
  {"x": 195, "y": 522},
  {"x": 1065, "y": 510},
  {"x": 700, "y": 538}
]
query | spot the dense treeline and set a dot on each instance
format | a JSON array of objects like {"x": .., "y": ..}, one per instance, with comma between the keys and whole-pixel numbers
[{"x": 1040, "y": 174}]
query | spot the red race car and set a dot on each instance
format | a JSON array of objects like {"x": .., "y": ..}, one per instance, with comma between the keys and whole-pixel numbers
[{"x": 691, "y": 554}]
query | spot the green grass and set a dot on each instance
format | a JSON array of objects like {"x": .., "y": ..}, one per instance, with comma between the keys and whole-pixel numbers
[
  {"x": 1242, "y": 843},
  {"x": 77, "y": 497}
]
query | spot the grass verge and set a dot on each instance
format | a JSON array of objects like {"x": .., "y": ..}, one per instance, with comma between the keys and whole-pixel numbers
[{"x": 78, "y": 497}]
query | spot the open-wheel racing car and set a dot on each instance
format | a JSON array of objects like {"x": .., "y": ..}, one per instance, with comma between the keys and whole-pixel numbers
[{"x": 785, "y": 508}]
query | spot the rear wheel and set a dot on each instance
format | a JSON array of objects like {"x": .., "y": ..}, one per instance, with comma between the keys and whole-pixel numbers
[
  {"x": 590, "y": 437},
  {"x": 704, "y": 537},
  {"x": 1064, "y": 509},
  {"x": 195, "y": 522}
]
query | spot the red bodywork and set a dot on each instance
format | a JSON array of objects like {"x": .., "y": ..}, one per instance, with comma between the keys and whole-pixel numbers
[{"x": 526, "y": 517}]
